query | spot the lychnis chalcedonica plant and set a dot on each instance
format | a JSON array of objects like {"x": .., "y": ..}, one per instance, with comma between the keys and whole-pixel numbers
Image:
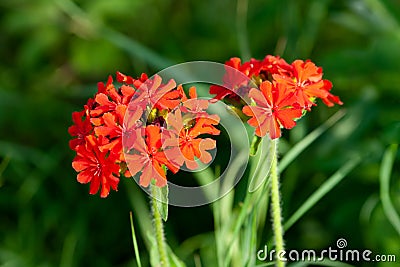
[{"x": 148, "y": 128}]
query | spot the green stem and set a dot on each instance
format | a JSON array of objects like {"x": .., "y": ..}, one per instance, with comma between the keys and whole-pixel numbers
[
  {"x": 276, "y": 208},
  {"x": 159, "y": 230}
]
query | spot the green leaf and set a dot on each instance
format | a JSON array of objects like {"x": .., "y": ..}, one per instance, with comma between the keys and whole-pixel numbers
[
  {"x": 265, "y": 156},
  {"x": 254, "y": 145},
  {"x": 327, "y": 186},
  {"x": 174, "y": 261},
  {"x": 385, "y": 172},
  {"x": 311, "y": 137},
  {"x": 161, "y": 198},
  {"x": 154, "y": 257},
  {"x": 135, "y": 245}
]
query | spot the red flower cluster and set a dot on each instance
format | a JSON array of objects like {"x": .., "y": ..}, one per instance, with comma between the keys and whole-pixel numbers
[
  {"x": 285, "y": 91},
  {"x": 145, "y": 125}
]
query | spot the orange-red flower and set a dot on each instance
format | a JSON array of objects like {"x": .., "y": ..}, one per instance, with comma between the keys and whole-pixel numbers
[
  {"x": 125, "y": 79},
  {"x": 275, "y": 108},
  {"x": 306, "y": 82},
  {"x": 154, "y": 94},
  {"x": 241, "y": 77},
  {"x": 186, "y": 131},
  {"x": 114, "y": 127},
  {"x": 148, "y": 157},
  {"x": 193, "y": 104},
  {"x": 81, "y": 128},
  {"x": 274, "y": 65},
  {"x": 99, "y": 168},
  {"x": 235, "y": 81}
]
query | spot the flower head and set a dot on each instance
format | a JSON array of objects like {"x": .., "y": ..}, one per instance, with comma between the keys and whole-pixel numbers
[
  {"x": 275, "y": 108},
  {"x": 123, "y": 127},
  {"x": 99, "y": 168},
  {"x": 285, "y": 91},
  {"x": 81, "y": 128},
  {"x": 305, "y": 80}
]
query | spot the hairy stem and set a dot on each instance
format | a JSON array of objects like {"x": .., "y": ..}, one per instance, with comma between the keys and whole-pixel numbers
[
  {"x": 276, "y": 208},
  {"x": 159, "y": 230}
]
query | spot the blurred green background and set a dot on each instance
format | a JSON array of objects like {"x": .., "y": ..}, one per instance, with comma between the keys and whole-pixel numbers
[{"x": 53, "y": 52}]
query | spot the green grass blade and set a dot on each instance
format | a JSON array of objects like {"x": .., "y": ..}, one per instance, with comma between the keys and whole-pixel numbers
[
  {"x": 68, "y": 250},
  {"x": 118, "y": 39},
  {"x": 327, "y": 186},
  {"x": 311, "y": 137},
  {"x": 135, "y": 245},
  {"x": 193, "y": 244},
  {"x": 385, "y": 172},
  {"x": 134, "y": 48},
  {"x": 174, "y": 261},
  {"x": 218, "y": 235},
  {"x": 225, "y": 206},
  {"x": 261, "y": 209},
  {"x": 251, "y": 205},
  {"x": 137, "y": 199},
  {"x": 249, "y": 243},
  {"x": 205, "y": 177},
  {"x": 368, "y": 208}
]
